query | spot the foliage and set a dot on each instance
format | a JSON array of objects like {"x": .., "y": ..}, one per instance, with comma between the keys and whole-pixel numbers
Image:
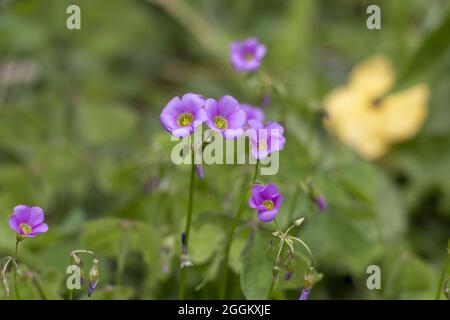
[{"x": 81, "y": 138}]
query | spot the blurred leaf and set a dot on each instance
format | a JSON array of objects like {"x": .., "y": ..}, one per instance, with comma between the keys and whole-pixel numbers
[
  {"x": 256, "y": 274},
  {"x": 204, "y": 242}
]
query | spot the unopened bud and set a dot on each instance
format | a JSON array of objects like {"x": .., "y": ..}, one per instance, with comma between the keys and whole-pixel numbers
[
  {"x": 199, "y": 170},
  {"x": 288, "y": 275},
  {"x": 299, "y": 222},
  {"x": 94, "y": 275},
  {"x": 321, "y": 203},
  {"x": 305, "y": 293}
]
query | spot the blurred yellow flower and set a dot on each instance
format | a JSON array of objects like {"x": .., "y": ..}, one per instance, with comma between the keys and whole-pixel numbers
[{"x": 359, "y": 117}]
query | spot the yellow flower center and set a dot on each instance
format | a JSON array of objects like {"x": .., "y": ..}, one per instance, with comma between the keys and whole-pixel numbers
[
  {"x": 185, "y": 119},
  {"x": 220, "y": 122},
  {"x": 262, "y": 145},
  {"x": 268, "y": 204},
  {"x": 26, "y": 229},
  {"x": 248, "y": 56}
]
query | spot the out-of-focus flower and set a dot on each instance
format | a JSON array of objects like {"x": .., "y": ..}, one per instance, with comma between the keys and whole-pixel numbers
[
  {"x": 253, "y": 113},
  {"x": 226, "y": 116},
  {"x": 265, "y": 139},
  {"x": 267, "y": 200},
  {"x": 181, "y": 116},
  {"x": 266, "y": 100},
  {"x": 305, "y": 293},
  {"x": 361, "y": 116},
  {"x": 246, "y": 56},
  {"x": 27, "y": 221}
]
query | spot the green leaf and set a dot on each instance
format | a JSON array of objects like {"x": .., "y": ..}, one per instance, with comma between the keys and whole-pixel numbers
[
  {"x": 106, "y": 124},
  {"x": 256, "y": 274},
  {"x": 428, "y": 57},
  {"x": 205, "y": 242}
]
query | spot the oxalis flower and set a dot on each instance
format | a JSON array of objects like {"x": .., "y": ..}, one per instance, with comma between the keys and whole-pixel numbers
[
  {"x": 27, "y": 221},
  {"x": 225, "y": 116},
  {"x": 253, "y": 113},
  {"x": 246, "y": 56},
  {"x": 181, "y": 116},
  {"x": 265, "y": 139},
  {"x": 362, "y": 116},
  {"x": 267, "y": 200}
]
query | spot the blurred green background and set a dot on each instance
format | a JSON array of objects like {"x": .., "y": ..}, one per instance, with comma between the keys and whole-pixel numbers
[{"x": 80, "y": 137}]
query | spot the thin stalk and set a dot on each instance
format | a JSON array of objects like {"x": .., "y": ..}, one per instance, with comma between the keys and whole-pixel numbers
[
  {"x": 440, "y": 287},
  {"x": 182, "y": 288},
  {"x": 275, "y": 276},
  {"x": 38, "y": 286},
  {"x": 121, "y": 259},
  {"x": 294, "y": 202},
  {"x": 234, "y": 223},
  {"x": 16, "y": 287}
]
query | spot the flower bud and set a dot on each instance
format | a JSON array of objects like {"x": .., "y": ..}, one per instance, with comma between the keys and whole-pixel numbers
[
  {"x": 288, "y": 275},
  {"x": 199, "y": 170},
  {"x": 299, "y": 222},
  {"x": 305, "y": 293},
  {"x": 321, "y": 203},
  {"x": 94, "y": 275}
]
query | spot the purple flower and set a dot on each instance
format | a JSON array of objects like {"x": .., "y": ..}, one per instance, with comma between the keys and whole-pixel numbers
[
  {"x": 246, "y": 56},
  {"x": 28, "y": 221},
  {"x": 226, "y": 116},
  {"x": 253, "y": 113},
  {"x": 265, "y": 139},
  {"x": 267, "y": 200},
  {"x": 305, "y": 293},
  {"x": 181, "y": 116},
  {"x": 321, "y": 203}
]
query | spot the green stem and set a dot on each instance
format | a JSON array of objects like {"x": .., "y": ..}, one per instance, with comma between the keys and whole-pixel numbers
[
  {"x": 440, "y": 287},
  {"x": 294, "y": 202},
  {"x": 181, "y": 292},
  {"x": 38, "y": 286},
  {"x": 271, "y": 289},
  {"x": 16, "y": 287},
  {"x": 234, "y": 223},
  {"x": 121, "y": 259},
  {"x": 275, "y": 276}
]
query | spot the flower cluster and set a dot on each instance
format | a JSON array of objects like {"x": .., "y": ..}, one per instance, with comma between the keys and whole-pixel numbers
[{"x": 230, "y": 119}]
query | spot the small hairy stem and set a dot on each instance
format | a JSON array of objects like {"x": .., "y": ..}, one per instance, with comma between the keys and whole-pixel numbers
[
  {"x": 234, "y": 223},
  {"x": 181, "y": 292},
  {"x": 275, "y": 276},
  {"x": 16, "y": 287}
]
